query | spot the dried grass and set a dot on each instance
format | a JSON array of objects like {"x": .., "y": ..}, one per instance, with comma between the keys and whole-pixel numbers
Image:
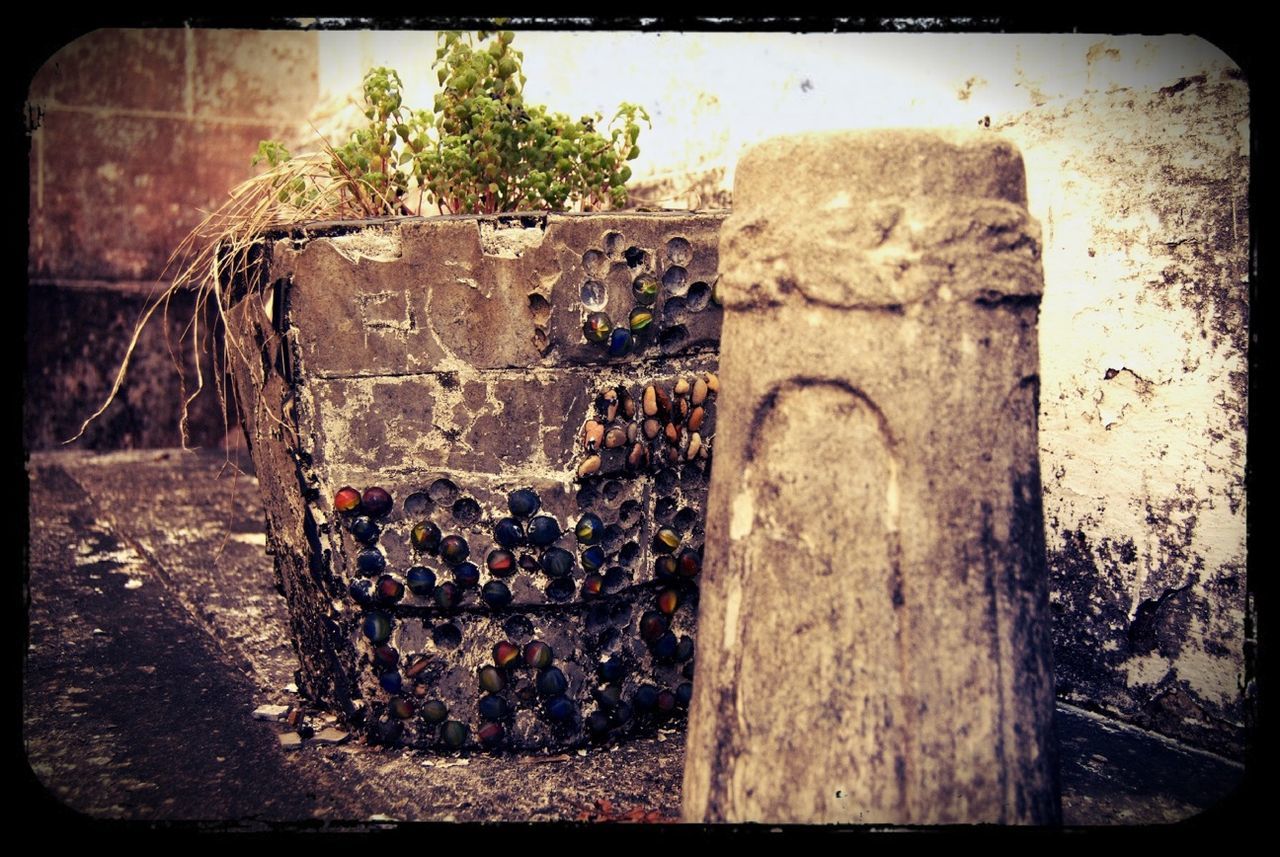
[{"x": 217, "y": 253}]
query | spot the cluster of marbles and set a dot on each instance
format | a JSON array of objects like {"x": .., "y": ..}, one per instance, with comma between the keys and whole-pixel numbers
[
  {"x": 650, "y": 428},
  {"x": 632, "y": 331},
  {"x": 525, "y": 678}
]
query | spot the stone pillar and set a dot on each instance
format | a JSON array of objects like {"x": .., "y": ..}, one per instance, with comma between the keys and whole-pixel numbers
[{"x": 874, "y": 631}]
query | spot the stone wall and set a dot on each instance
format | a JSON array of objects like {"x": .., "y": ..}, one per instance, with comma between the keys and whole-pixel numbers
[
  {"x": 1137, "y": 161},
  {"x": 137, "y": 132}
]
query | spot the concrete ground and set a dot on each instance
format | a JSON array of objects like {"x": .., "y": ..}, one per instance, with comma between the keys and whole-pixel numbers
[{"x": 154, "y": 631}]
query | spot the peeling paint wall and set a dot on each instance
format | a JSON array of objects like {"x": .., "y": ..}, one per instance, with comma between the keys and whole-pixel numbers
[{"x": 1136, "y": 151}]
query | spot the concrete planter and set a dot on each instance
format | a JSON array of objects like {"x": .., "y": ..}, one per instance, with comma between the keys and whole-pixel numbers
[{"x": 446, "y": 362}]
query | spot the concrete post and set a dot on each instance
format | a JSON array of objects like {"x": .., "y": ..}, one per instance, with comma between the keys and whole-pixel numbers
[{"x": 874, "y": 630}]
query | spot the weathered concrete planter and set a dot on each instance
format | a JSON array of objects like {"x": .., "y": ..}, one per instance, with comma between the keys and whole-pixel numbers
[{"x": 445, "y": 361}]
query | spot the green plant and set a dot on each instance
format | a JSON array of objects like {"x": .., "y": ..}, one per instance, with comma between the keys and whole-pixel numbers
[{"x": 479, "y": 150}]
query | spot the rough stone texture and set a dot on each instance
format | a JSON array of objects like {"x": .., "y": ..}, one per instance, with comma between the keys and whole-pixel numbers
[
  {"x": 1144, "y": 200},
  {"x": 444, "y": 360},
  {"x": 150, "y": 595},
  {"x": 71, "y": 366},
  {"x": 134, "y": 135},
  {"x": 874, "y": 631}
]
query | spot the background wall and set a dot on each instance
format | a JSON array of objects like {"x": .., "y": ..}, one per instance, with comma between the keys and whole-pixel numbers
[{"x": 1137, "y": 162}]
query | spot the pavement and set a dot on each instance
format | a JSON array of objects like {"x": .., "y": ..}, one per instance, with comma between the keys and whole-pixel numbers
[{"x": 155, "y": 631}]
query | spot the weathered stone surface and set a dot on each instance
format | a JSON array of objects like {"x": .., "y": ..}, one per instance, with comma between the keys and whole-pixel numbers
[
  {"x": 156, "y": 173},
  {"x": 874, "y": 639},
  {"x": 410, "y": 355},
  {"x": 71, "y": 366},
  {"x": 499, "y": 293},
  {"x": 110, "y": 68},
  {"x": 265, "y": 74}
]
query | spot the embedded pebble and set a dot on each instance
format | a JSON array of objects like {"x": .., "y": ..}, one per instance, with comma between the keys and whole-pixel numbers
[
  {"x": 290, "y": 740},
  {"x": 589, "y": 466},
  {"x": 663, "y": 402},
  {"x": 713, "y": 383},
  {"x": 682, "y": 387},
  {"x": 615, "y": 437},
  {"x": 633, "y": 432},
  {"x": 695, "y": 444},
  {"x": 638, "y": 456},
  {"x": 592, "y": 435},
  {"x": 699, "y": 392},
  {"x": 650, "y": 401},
  {"x": 651, "y": 428},
  {"x": 696, "y": 418}
]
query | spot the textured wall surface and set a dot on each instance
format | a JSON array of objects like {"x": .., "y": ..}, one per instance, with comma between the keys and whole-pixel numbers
[
  {"x": 1136, "y": 151},
  {"x": 138, "y": 132},
  {"x": 445, "y": 361},
  {"x": 1143, "y": 408}
]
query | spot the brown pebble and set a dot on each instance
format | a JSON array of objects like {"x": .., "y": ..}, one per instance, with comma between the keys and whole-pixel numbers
[
  {"x": 673, "y": 433},
  {"x": 682, "y": 387},
  {"x": 673, "y": 455},
  {"x": 592, "y": 435},
  {"x": 638, "y": 456},
  {"x": 695, "y": 444},
  {"x": 695, "y": 419},
  {"x": 651, "y": 428},
  {"x": 589, "y": 466},
  {"x": 611, "y": 405},
  {"x": 713, "y": 383},
  {"x": 633, "y": 432},
  {"x": 615, "y": 437},
  {"x": 663, "y": 402},
  {"x": 628, "y": 405},
  {"x": 650, "y": 401},
  {"x": 700, "y": 392},
  {"x": 682, "y": 409},
  {"x": 421, "y": 690}
]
